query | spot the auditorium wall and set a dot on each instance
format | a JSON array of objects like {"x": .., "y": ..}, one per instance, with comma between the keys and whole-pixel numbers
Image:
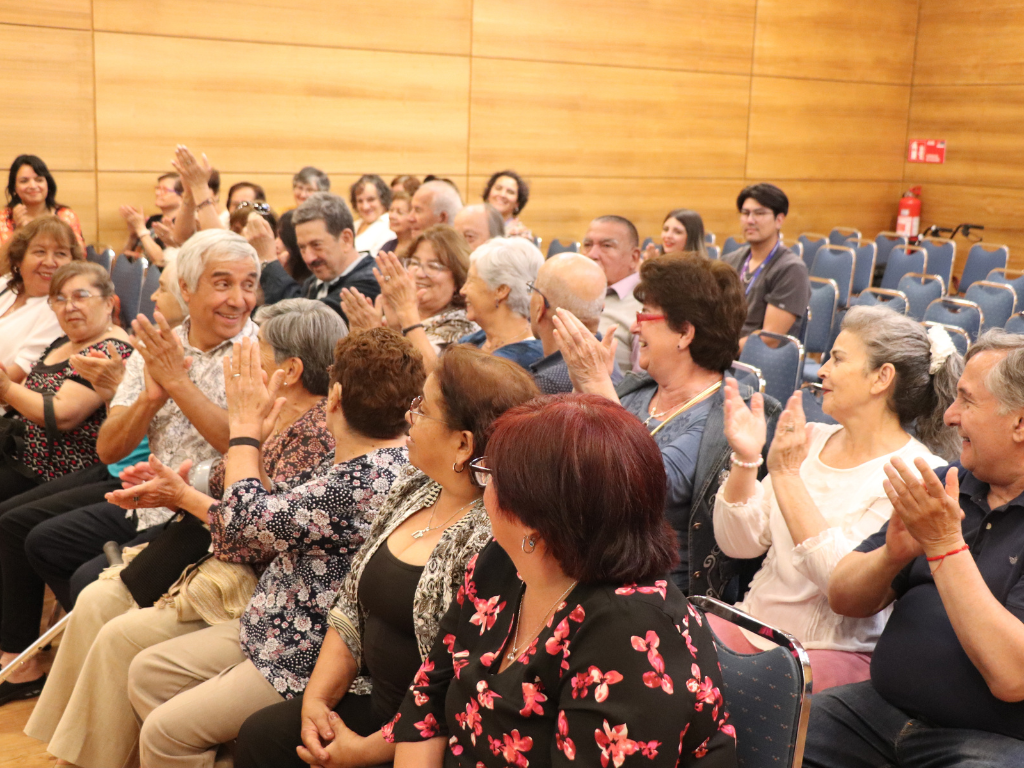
[{"x": 626, "y": 106}]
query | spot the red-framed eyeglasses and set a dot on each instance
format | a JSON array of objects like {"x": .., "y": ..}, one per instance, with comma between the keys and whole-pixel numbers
[{"x": 643, "y": 317}]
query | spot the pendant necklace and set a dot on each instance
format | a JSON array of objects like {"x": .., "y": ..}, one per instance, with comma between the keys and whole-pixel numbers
[
  {"x": 430, "y": 523},
  {"x": 513, "y": 654}
]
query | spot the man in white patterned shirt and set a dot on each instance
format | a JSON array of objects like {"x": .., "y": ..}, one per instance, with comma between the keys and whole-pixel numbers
[{"x": 173, "y": 393}]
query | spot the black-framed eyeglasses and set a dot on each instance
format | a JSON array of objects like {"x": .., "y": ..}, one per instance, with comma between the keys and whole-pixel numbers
[
  {"x": 532, "y": 287},
  {"x": 481, "y": 473},
  {"x": 415, "y": 412}
]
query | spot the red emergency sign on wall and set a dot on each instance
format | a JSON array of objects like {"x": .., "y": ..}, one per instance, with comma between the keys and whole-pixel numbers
[{"x": 927, "y": 151}]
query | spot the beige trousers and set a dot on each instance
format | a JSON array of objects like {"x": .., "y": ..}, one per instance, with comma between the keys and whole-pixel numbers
[
  {"x": 193, "y": 693},
  {"x": 84, "y": 712}
]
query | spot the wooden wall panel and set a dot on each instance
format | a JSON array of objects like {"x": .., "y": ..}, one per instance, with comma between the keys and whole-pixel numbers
[
  {"x": 812, "y": 129},
  {"x": 47, "y": 101},
  {"x": 74, "y": 14},
  {"x": 867, "y": 41},
  {"x": 77, "y": 190},
  {"x": 982, "y": 129},
  {"x": 817, "y": 206},
  {"x": 576, "y": 120},
  {"x": 976, "y": 44},
  {"x": 439, "y": 26},
  {"x": 345, "y": 111},
  {"x": 709, "y": 36}
]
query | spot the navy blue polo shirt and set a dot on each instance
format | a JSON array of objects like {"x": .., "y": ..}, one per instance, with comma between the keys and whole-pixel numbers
[{"x": 919, "y": 665}]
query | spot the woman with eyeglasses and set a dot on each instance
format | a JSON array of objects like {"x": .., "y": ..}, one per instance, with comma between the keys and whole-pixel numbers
[
  {"x": 689, "y": 329},
  {"x": 421, "y": 298},
  {"x": 385, "y": 618},
  {"x": 566, "y": 644}
]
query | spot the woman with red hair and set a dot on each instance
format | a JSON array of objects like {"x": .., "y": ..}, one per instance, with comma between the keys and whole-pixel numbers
[{"x": 567, "y": 643}]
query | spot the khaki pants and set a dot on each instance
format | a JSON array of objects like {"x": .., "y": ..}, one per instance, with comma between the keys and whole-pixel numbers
[
  {"x": 193, "y": 693},
  {"x": 84, "y": 712}
]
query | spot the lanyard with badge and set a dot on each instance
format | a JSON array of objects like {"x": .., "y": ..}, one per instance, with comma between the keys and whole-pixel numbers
[{"x": 746, "y": 265}]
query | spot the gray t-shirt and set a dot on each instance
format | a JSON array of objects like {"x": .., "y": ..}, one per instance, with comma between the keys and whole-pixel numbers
[{"x": 783, "y": 283}]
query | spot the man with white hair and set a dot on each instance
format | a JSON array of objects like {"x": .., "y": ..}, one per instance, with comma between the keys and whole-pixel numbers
[
  {"x": 947, "y": 674},
  {"x": 613, "y": 242},
  {"x": 479, "y": 223},
  {"x": 173, "y": 393},
  {"x": 575, "y": 283},
  {"x": 435, "y": 202}
]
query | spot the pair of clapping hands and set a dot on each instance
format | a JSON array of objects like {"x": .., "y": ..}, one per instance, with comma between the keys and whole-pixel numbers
[{"x": 397, "y": 304}]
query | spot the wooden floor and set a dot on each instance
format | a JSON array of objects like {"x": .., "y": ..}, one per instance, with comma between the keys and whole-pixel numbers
[{"x": 16, "y": 749}]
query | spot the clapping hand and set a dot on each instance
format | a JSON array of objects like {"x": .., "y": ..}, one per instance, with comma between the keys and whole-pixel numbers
[
  {"x": 103, "y": 371},
  {"x": 253, "y": 404},
  {"x": 164, "y": 489},
  {"x": 651, "y": 251},
  {"x": 590, "y": 361},
  {"x": 360, "y": 311},
  {"x": 165, "y": 232},
  {"x": 397, "y": 287},
  {"x": 260, "y": 235},
  {"x": 195, "y": 176},
  {"x": 745, "y": 428},
  {"x": 792, "y": 437},
  {"x": 162, "y": 351},
  {"x": 929, "y": 511},
  {"x": 20, "y": 215},
  {"x": 134, "y": 217}
]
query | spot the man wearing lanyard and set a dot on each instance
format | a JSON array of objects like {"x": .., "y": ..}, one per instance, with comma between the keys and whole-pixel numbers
[{"x": 774, "y": 278}]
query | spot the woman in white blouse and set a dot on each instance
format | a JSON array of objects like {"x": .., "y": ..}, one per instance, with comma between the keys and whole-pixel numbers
[
  {"x": 27, "y": 324},
  {"x": 823, "y": 494},
  {"x": 371, "y": 198}
]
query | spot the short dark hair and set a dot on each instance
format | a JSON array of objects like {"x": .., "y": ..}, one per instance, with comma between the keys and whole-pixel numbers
[
  {"x": 16, "y": 248},
  {"x": 409, "y": 183},
  {"x": 380, "y": 373},
  {"x": 586, "y": 474},
  {"x": 634, "y": 236},
  {"x": 522, "y": 189},
  {"x": 383, "y": 190},
  {"x": 171, "y": 175},
  {"x": 39, "y": 167},
  {"x": 704, "y": 293},
  {"x": 256, "y": 188},
  {"x": 476, "y": 388},
  {"x": 328, "y": 208},
  {"x": 767, "y": 195},
  {"x": 213, "y": 183},
  {"x": 451, "y": 250}
]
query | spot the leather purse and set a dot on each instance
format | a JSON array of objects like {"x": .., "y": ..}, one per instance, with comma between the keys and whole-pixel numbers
[{"x": 183, "y": 541}]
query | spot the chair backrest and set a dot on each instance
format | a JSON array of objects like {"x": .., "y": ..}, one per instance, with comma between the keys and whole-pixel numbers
[
  {"x": 920, "y": 290},
  {"x": 767, "y": 694},
  {"x": 797, "y": 248},
  {"x": 747, "y": 374},
  {"x": 821, "y": 313},
  {"x": 886, "y": 241},
  {"x": 836, "y": 262},
  {"x": 709, "y": 238},
  {"x": 957, "y": 312},
  {"x": 127, "y": 277},
  {"x": 647, "y": 241},
  {"x": 1015, "y": 324},
  {"x": 866, "y": 252},
  {"x": 811, "y": 241},
  {"x": 997, "y": 301},
  {"x": 557, "y": 246},
  {"x": 149, "y": 285},
  {"x": 839, "y": 235},
  {"x": 959, "y": 336},
  {"x": 941, "y": 255},
  {"x": 895, "y": 300},
  {"x": 981, "y": 261},
  {"x": 1012, "y": 277},
  {"x": 903, "y": 259},
  {"x": 104, "y": 258},
  {"x": 732, "y": 243},
  {"x": 714, "y": 251},
  {"x": 780, "y": 358}
]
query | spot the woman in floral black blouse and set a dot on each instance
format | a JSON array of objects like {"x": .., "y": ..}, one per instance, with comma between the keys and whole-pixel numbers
[{"x": 568, "y": 645}]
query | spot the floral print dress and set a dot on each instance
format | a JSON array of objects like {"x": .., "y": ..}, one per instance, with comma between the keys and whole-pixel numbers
[{"x": 621, "y": 675}]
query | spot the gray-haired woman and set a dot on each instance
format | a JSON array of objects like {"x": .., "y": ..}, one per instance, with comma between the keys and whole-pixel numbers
[
  {"x": 497, "y": 294},
  {"x": 86, "y": 692},
  {"x": 823, "y": 494}
]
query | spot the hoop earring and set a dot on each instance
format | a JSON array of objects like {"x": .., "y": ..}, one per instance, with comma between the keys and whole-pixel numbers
[
  {"x": 528, "y": 539},
  {"x": 455, "y": 468}
]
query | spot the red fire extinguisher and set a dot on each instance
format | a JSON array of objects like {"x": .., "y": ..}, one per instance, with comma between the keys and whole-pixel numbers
[{"x": 909, "y": 220}]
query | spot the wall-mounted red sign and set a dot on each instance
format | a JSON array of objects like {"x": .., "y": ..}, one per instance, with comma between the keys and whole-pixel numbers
[{"x": 927, "y": 151}]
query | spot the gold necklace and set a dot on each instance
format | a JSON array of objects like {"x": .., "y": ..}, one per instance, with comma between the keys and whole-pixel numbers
[
  {"x": 430, "y": 523},
  {"x": 514, "y": 653},
  {"x": 700, "y": 396}
]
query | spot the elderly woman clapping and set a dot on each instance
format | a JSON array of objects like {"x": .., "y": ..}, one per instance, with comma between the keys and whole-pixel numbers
[
  {"x": 824, "y": 494},
  {"x": 688, "y": 329}
]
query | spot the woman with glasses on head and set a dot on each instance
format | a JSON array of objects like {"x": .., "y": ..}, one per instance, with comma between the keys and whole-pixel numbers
[
  {"x": 385, "y": 618},
  {"x": 421, "y": 298}
]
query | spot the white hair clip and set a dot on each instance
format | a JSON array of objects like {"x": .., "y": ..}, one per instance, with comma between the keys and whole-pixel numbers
[{"x": 941, "y": 348}]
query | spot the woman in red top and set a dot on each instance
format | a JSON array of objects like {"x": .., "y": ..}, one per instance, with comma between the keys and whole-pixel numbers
[{"x": 31, "y": 192}]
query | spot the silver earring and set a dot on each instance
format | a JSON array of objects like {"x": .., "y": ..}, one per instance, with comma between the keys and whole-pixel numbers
[
  {"x": 455, "y": 468},
  {"x": 528, "y": 539},
  {"x": 497, "y": 304}
]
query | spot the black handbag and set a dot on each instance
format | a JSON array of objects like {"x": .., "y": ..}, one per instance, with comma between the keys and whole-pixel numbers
[
  {"x": 183, "y": 541},
  {"x": 12, "y": 439}
]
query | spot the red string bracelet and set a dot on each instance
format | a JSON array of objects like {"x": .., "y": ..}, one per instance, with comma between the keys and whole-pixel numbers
[{"x": 951, "y": 552}]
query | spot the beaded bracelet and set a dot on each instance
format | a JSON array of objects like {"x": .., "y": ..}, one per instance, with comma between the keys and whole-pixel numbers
[{"x": 747, "y": 464}]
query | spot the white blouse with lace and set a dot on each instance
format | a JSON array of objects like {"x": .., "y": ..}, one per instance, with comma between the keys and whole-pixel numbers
[{"x": 790, "y": 591}]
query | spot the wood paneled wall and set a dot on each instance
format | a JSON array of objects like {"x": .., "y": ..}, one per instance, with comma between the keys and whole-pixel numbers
[{"x": 606, "y": 106}]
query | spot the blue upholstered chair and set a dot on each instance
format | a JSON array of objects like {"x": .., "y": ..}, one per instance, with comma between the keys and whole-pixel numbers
[
  {"x": 836, "y": 262},
  {"x": 780, "y": 359},
  {"x": 811, "y": 241},
  {"x": 865, "y": 252},
  {"x": 886, "y": 241},
  {"x": 127, "y": 276},
  {"x": 557, "y": 246},
  {"x": 998, "y": 301},
  {"x": 839, "y": 235},
  {"x": 902, "y": 260},
  {"x": 920, "y": 290},
  {"x": 941, "y": 255},
  {"x": 957, "y": 312},
  {"x": 732, "y": 243},
  {"x": 981, "y": 260},
  {"x": 821, "y": 315},
  {"x": 895, "y": 300}
]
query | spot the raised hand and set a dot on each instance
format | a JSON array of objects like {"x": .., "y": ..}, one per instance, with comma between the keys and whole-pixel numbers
[
  {"x": 929, "y": 510},
  {"x": 161, "y": 349},
  {"x": 398, "y": 287},
  {"x": 134, "y": 217},
  {"x": 792, "y": 436},
  {"x": 253, "y": 406},
  {"x": 260, "y": 235},
  {"x": 103, "y": 371},
  {"x": 359, "y": 310},
  {"x": 165, "y": 232},
  {"x": 745, "y": 428},
  {"x": 165, "y": 489},
  {"x": 20, "y": 215},
  {"x": 651, "y": 251},
  {"x": 590, "y": 361},
  {"x": 195, "y": 176}
]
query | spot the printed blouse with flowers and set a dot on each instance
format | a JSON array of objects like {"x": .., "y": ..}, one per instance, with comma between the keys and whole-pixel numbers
[{"x": 623, "y": 675}]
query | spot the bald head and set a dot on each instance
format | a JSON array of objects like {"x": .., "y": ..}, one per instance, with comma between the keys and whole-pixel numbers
[
  {"x": 479, "y": 223},
  {"x": 573, "y": 282}
]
